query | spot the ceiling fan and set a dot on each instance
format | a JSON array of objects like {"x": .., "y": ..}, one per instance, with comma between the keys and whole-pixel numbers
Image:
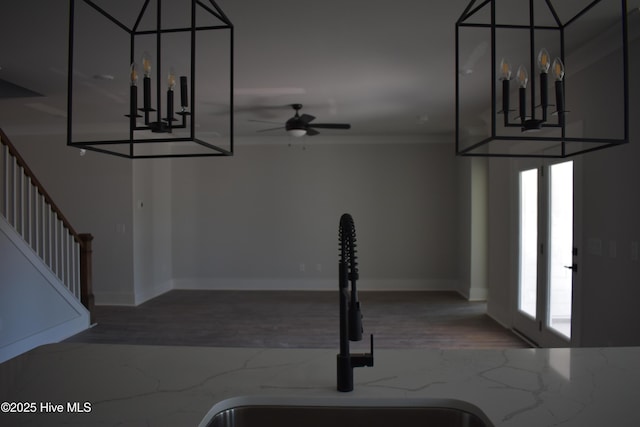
[{"x": 300, "y": 125}]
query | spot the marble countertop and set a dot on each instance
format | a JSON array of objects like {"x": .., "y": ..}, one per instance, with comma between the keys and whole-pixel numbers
[{"x": 124, "y": 385}]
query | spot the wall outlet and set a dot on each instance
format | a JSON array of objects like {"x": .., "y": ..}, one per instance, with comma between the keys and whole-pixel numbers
[
  {"x": 634, "y": 251},
  {"x": 302, "y": 268}
]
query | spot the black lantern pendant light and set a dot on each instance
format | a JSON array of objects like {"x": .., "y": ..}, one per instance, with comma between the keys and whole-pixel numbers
[
  {"x": 194, "y": 36},
  {"x": 575, "y": 103}
]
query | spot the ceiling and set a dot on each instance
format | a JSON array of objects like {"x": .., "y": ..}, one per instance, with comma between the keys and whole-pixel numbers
[{"x": 387, "y": 68}]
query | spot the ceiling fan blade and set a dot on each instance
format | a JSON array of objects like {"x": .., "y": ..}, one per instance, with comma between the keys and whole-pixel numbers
[
  {"x": 312, "y": 132},
  {"x": 264, "y": 121},
  {"x": 306, "y": 118},
  {"x": 266, "y": 130},
  {"x": 331, "y": 126}
]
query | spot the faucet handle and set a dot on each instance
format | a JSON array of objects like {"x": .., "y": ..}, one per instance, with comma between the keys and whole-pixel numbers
[{"x": 362, "y": 359}]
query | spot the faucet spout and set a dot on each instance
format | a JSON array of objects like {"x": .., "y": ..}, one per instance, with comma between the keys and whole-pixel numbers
[{"x": 350, "y": 314}]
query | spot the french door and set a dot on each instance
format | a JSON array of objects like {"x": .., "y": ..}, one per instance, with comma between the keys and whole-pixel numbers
[{"x": 547, "y": 255}]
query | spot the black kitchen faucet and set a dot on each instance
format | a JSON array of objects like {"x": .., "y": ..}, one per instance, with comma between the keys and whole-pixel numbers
[{"x": 350, "y": 314}]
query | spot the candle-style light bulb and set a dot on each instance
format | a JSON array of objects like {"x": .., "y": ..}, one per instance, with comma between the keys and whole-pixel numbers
[
  {"x": 171, "y": 79},
  {"x": 522, "y": 76},
  {"x": 146, "y": 64},
  {"x": 133, "y": 74},
  {"x": 544, "y": 61},
  {"x": 505, "y": 70},
  {"x": 558, "y": 69}
]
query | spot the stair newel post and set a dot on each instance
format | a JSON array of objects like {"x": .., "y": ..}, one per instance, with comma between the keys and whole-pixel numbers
[{"x": 86, "y": 273}]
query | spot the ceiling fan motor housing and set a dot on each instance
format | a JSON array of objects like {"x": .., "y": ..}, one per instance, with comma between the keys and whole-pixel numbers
[{"x": 295, "y": 123}]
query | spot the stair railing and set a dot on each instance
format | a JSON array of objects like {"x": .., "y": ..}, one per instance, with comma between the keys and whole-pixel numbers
[{"x": 27, "y": 206}]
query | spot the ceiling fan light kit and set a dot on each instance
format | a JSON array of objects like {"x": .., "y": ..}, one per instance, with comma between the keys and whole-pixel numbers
[
  {"x": 296, "y": 133},
  {"x": 158, "y": 37},
  {"x": 576, "y": 98}
]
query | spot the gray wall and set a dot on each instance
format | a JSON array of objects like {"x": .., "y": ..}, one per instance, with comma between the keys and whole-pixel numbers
[
  {"x": 152, "y": 230},
  {"x": 610, "y": 279},
  {"x": 500, "y": 301},
  {"x": 473, "y": 175},
  {"x": 259, "y": 219},
  {"x": 611, "y": 213}
]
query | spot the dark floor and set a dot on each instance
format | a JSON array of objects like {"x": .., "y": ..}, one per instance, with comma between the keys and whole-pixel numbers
[{"x": 275, "y": 319}]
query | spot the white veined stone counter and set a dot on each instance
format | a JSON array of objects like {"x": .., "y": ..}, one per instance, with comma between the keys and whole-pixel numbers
[{"x": 129, "y": 385}]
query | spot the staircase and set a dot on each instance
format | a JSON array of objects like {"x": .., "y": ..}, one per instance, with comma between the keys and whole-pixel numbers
[{"x": 45, "y": 265}]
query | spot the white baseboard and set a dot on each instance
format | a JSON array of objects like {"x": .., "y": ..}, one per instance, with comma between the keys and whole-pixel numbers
[
  {"x": 250, "y": 284},
  {"x": 114, "y": 298},
  {"x": 311, "y": 284},
  {"x": 132, "y": 299},
  {"x": 478, "y": 294}
]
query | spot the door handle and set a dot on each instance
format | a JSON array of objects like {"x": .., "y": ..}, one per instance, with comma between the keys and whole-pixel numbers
[{"x": 573, "y": 267}]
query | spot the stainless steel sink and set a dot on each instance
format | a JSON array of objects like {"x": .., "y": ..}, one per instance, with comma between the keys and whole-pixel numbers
[{"x": 265, "y": 411}]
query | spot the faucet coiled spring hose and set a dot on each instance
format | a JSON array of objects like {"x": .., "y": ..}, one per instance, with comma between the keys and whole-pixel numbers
[
  {"x": 348, "y": 259},
  {"x": 347, "y": 237}
]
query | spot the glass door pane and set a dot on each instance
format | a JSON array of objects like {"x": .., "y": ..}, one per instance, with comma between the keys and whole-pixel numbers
[
  {"x": 560, "y": 247},
  {"x": 528, "y": 241}
]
